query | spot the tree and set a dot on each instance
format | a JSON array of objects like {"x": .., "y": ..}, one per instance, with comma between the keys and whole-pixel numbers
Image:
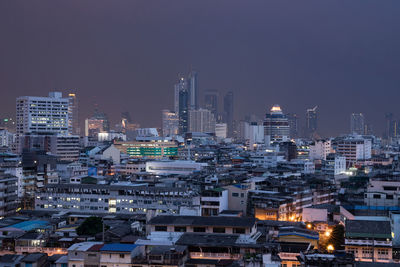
[
  {"x": 91, "y": 226},
  {"x": 337, "y": 237}
]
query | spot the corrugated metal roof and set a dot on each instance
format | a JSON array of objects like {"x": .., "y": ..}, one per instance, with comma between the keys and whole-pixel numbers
[{"x": 118, "y": 247}]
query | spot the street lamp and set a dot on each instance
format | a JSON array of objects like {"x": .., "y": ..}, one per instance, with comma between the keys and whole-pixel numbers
[{"x": 330, "y": 248}]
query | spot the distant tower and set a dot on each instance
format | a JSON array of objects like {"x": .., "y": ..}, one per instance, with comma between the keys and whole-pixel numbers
[
  {"x": 391, "y": 126},
  {"x": 276, "y": 126},
  {"x": 311, "y": 121},
  {"x": 73, "y": 115},
  {"x": 357, "y": 124},
  {"x": 193, "y": 90},
  {"x": 201, "y": 120},
  {"x": 170, "y": 123},
  {"x": 228, "y": 112},
  {"x": 211, "y": 101},
  {"x": 293, "y": 124}
]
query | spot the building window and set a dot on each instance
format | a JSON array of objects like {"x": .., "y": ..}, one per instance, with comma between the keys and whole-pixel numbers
[
  {"x": 235, "y": 194},
  {"x": 160, "y": 228},
  {"x": 180, "y": 228},
  {"x": 122, "y": 256},
  {"x": 389, "y": 196},
  {"x": 239, "y": 230},
  {"x": 377, "y": 196},
  {"x": 218, "y": 230},
  {"x": 199, "y": 229}
]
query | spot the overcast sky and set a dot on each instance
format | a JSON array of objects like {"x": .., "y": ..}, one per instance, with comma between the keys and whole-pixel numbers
[{"x": 343, "y": 56}]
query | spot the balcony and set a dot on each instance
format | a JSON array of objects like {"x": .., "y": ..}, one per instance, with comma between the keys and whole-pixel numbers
[
  {"x": 215, "y": 256},
  {"x": 365, "y": 242}
]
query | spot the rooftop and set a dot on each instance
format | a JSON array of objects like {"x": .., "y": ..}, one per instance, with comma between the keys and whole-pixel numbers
[
  {"x": 118, "y": 247},
  {"x": 203, "y": 221}
]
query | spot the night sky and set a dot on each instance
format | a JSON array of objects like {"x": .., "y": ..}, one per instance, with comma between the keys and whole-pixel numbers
[{"x": 343, "y": 56}]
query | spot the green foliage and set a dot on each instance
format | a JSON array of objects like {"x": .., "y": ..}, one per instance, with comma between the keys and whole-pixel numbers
[
  {"x": 337, "y": 237},
  {"x": 91, "y": 226}
]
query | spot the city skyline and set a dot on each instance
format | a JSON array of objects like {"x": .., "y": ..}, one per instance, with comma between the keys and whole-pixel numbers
[{"x": 120, "y": 72}]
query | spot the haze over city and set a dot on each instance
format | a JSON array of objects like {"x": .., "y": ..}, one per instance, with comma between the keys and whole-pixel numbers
[{"x": 343, "y": 56}]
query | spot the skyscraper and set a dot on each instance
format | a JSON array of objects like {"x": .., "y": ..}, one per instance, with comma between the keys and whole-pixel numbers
[
  {"x": 211, "y": 101},
  {"x": 73, "y": 115},
  {"x": 276, "y": 126},
  {"x": 228, "y": 112},
  {"x": 170, "y": 123},
  {"x": 311, "y": 121},
  {"x": 201, "y": 120},
  {"x": 391, "y": 126},
  {"x": 293, "y": 124},
  {"x": 357, "y": 123},
  {"x": 193, "y": 90}
]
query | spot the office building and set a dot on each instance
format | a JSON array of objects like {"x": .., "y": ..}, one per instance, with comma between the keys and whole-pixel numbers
[
  {"x": 228, "y": 112},
  {"x": 193, "y": 89},
  {"x": 201, "y": 120},
  {"x": 293, "y": 124},
  {"x": 276, "y": 126},
  {"x": 391, "y": 126},
  {"x": 181, "y": 104},
  {"x": 73, "y": 115},
  {"x": 42, "y": 114},
  {"x": 170, "y": 123},
  {"x": 211, "y": 101},
  {"x": 357, "y": 123},
  {"x": 311, "y": 122}
]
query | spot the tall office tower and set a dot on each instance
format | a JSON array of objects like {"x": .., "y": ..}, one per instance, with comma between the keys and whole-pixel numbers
[
  {"x": 73, "y": 115},
  {"x": 182, "y": 85},
  {"x": 201, "y": 120},
  {"x": 391, "y": 126},
  {"x": 193, "y": 90},
  {"x": 96, "y": 124},
  {"x": 276, "y": 126},
  {"x": 41, "y": 115},
  {"x": 311, "y": 121},
  {"x": 293, "y": 124},
  {"x": 228, "y": 112},
  {"x": 181, "y": 104},
  {"x": 357, "y": 123},
  {"x": 170, "y": 123},
  {"x": 211, "y": 101}
]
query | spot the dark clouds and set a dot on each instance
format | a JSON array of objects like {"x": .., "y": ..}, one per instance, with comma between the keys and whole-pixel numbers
[{"x": 343, "y": 56}]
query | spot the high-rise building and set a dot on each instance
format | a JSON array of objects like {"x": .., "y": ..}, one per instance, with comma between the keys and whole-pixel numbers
[
  {"x": 42, "y": 114},
  {"x": 293, "y": 124},
  {"x": 201, "y": 120},
  {"x": 211, "y": 101},
  {"x": 228, "y": 112},
  {"x": 276, "y": 126},
  {"x": 193, "y": 89},
  {"x": 73, "y": 115},
  {"x": 391, "y": 126},
  {"x": 181, "y": 104},
  {"x": 357, "y": 125},
  {"x": 170, "y": 123},
  {"x": 311, "y": 121}
]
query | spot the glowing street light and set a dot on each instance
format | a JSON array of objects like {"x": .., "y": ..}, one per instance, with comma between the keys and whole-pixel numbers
[
  {"x": 327, "y": 234},
  {"x": 330, "y": 248}
]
